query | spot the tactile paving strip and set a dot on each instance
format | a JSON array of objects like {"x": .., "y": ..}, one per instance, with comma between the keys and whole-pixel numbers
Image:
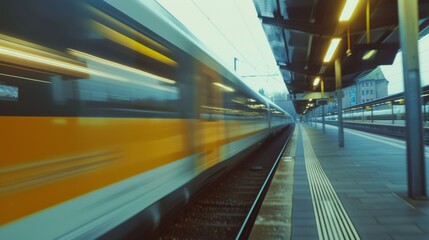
[{"x": 331, "y": 218}]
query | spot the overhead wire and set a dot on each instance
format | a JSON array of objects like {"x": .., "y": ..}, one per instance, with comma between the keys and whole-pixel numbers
[
  {"x": 248, "y": 29},
  {"x": 254, "y": 43},
  {"x": 242, "y": 57},
  {"x": 223, "y": 35},
  {"x": 217, "y": 28}
]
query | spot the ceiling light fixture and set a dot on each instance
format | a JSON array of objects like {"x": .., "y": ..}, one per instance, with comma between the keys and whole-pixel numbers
[
  {"x": 369, "y": 54},
  {"x": 224, "y": 87},
  {"x": 331, "y": 50},
  {"x": 316, "y": 81},
  {"x": 348, "y": 10}
]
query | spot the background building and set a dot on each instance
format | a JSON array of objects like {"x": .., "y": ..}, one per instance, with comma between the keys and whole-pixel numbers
[
  {"x": 367, "y": 88},
  {"x": 371, "y": 87}
]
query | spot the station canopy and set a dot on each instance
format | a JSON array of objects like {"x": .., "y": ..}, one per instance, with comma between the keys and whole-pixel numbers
[{"x": 300, "y": 32}]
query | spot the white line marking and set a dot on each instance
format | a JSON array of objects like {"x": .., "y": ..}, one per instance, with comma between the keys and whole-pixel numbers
[
  {"x": 386, "y": 140},
  {"x": 332, "y": 219}
]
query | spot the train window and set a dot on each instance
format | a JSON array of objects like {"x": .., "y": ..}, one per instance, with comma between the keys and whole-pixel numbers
[
  {"x": 240, "y": 105},
  {"x": 8, "y": 93},
  {"x": 209, "y": 91},
  {"x": 69, "y": 58}
]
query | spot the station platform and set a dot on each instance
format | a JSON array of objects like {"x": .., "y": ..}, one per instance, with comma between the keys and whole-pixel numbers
[{"x": 321, "y": 191}]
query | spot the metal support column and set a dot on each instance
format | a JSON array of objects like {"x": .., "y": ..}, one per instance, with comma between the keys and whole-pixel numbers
[
  {"x": 338, "y": 84},
  {"x": 393, "y": 115},
  {"x": 372, "y": 114},
  {"x": 315, "y": 117},
  {"x": 408, "y": 31},
  {"x": 323, "y": 118},
  {"x": 322, "y": 88}
]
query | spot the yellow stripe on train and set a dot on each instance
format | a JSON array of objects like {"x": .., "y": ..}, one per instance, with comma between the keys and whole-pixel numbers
[{"x": 48, "y": 160}]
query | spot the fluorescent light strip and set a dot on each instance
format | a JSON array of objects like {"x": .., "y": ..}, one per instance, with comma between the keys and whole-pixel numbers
[
  {"x": 316, "y": 81},
  {"x": 52, "y": 62},
  {"x": 120, "y": 66},
  {"x": 130, "y": 31},
  {"x": 162, "y": 88},
  {"x": 228, "y": 89},
  {"x": 236, "y": 101},
  {"x": 348, "y": 10},
  {"x": 40, "y": 59},
  {"x": 369, "y": 54},
  {"x": 24, "y": 78},
  {"x": 131, "y": 44},
  {"x": 331, "y": 50}
]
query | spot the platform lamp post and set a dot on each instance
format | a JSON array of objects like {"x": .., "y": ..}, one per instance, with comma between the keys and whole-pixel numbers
[
  {"x": 338, "y": 83},
  {"x": 328, "y": 57},
  {"x": 408, "y": 32},
  {"x": 322, "y": 88},
  {"x": 315, "y": 117},
  {"x": 345, "y": 16}
]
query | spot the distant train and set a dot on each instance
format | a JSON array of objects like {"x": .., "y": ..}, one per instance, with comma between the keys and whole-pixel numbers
[
  {"x": 383, "y": 114},
  {"x": 112, "y": 114}
]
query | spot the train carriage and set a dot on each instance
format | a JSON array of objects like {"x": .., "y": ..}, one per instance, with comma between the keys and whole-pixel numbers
[{"x": 111, "y": 115}]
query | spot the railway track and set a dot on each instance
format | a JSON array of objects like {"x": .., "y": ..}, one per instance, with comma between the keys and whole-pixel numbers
[{"x": 227, "y": 209}]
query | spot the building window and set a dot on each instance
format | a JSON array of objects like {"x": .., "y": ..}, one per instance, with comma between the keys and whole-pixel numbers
[
  {"x": 363, "y": 92},
  {"x": 372, "y": 92}
]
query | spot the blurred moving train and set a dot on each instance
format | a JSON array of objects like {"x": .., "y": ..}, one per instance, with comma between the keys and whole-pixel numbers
[
  {"x": 384, "y": 114},
  {"x": 112, "y": 114}
]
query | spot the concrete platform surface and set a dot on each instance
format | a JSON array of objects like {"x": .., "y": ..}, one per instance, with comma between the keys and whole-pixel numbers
[{"x": 355, "y": 192}]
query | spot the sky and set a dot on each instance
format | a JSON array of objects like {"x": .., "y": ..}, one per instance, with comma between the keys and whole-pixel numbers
[
  {"x": 231, "y": 29},
  {"x": 394, "y": 74}
]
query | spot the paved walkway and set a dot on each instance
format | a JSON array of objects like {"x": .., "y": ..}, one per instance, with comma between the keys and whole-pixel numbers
[{"x": 355, "y": 192}]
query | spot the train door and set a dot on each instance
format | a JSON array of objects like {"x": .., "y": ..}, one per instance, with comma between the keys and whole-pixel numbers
[{"x": 209, "y": 126}]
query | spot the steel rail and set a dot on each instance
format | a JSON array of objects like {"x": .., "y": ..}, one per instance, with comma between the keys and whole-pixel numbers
[{"x": 246, "y": 227}]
